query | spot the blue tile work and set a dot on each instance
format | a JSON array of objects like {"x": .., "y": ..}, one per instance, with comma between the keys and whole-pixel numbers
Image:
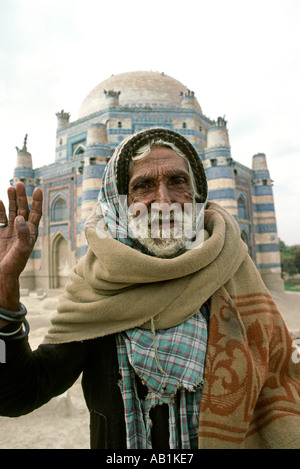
[
  {"x": 90, "y": 195},
  {"x": 268, "y": 247},
  {"x": 216, "y": 172},
  {"x": 94, "y": 150},
  {"x": 62, "y": 228},
  {"x": 263, "y": 190},
  {"x": 216, "y": 194},
  {"x": 75, "y": 140},
  {"x": 94, "y": 171},
  {"x": 23, "y": 173},
  {"x": 266, "y": 228},
  {"x": 264, "y": 207},
  {"x": 215, "y": 152},
  {"x": 268, "y": 266},
  {"x": 119, "y": 131}
]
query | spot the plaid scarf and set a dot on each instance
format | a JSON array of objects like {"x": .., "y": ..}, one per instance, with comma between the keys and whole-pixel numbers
[
  {"x": 112, "y": 208},
  {"x": 171, "y": 365}
]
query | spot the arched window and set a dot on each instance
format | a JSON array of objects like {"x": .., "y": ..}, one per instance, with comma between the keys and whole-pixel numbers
[
  {"x": 119, "y": 125},
  {"x": 184, "y": 125},
  {"x": 242, "y": 209},
  {"x": 79, "y": 150},
  {"x": 59, "y": 210}
]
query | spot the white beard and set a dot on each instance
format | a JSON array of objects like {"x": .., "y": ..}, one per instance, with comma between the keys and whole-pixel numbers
[{"x": 165, "y": 242}]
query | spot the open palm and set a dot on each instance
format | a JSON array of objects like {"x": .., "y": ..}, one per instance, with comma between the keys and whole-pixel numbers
[{"x": 18, "y": 230}]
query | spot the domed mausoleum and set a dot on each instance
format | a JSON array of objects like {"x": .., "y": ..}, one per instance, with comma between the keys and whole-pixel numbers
[{"x": 114, "y": 109}]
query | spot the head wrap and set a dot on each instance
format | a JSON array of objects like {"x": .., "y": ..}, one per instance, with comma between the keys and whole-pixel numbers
[
  {"x": 132, "y": 145},
  {"x": 116, "y": 176}
]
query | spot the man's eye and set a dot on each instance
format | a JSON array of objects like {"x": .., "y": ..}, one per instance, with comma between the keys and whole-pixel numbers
[
  {"x": 179, "y": 180},
  {"x": 142, "y": 185}
]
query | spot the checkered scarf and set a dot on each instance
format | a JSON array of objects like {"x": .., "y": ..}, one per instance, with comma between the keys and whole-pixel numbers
[
  {"x": 171, "y": 364},
  {"x": 112, "y": 206}
]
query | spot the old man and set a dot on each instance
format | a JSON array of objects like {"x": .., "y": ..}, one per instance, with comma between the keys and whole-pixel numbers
[{"x": 179, "y": 341}]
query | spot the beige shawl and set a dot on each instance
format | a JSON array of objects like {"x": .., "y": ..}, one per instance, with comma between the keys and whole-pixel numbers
[{"x": 251, "y": 392}]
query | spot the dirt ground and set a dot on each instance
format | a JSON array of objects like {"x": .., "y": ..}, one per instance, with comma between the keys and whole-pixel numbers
[{"x": 63, "y": 423}]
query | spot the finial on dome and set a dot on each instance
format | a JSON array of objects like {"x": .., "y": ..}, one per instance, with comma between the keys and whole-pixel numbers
[
  {"x": 24, "y": 159},
  {"x": 24, "y": 144}
]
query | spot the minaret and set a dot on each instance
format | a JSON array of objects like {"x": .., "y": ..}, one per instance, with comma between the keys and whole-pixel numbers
[
  {"x": 112, "y": 98},
  {"x": 188, "y": 99},
  {"x": 62, "y": 118},
  {"x": 96, "y": 155},
  {"x": 219, "y": 168},
  {"x": 23, "y": 170},
  {"x": 266, "y": 237}
]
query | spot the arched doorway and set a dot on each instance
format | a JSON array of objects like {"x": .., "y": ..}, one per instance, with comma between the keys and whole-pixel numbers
[
  {"x": 242, "y": 208},
  {"x": 60, "y": 262}
]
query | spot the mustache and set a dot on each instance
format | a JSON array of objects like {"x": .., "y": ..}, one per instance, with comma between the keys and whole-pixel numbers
[
  {"x": 157, "y": 222},
  {"x": 161, "y": 212}
]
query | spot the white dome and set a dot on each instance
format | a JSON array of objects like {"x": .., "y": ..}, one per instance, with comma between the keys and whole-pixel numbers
[{"x": 136, "y": 88}]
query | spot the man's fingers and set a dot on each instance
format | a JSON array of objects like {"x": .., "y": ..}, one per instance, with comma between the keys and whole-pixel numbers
[
  {"x": 23, "y": 234},
  {"x": 36, "y": 206},
  {"x": 12, "y": 205},
  {"x": 3, "y": 217},
  {"x": 18, "y": 204},
  {"x": 22, "y": 202}
]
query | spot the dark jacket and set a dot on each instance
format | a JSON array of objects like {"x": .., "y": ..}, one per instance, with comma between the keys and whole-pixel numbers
[{"x": 30, "y": 379}]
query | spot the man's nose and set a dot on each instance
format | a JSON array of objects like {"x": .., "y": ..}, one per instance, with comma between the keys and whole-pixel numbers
[{"x": 163, "y": 194}]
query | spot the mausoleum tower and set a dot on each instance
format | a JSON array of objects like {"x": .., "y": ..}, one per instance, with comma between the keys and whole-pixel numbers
[
  {"x": 112, "y": 98},
  {"x": 188, "y": 100},
  {"x": 62, "y": 118},
  {"x": 219, "y": 167},
  {"x": 96, "y": 154},
  {"x": 267, "y": 244},
  {"x": 23, "y": 170}
]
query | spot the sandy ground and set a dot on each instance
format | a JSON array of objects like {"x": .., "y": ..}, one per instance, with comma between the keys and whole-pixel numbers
[{"x": 63, "y": 423}]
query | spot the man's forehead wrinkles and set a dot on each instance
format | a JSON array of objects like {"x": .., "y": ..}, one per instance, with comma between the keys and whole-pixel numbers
[{"x": 153, "y": 173}]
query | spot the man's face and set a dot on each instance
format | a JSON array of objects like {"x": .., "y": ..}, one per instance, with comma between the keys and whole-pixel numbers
[{"x": 161, "y": 179}]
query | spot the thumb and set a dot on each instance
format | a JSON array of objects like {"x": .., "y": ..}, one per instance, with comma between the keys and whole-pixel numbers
[
  {"x": 20, "y": 223},
  {"x": 22, "y": 230}
]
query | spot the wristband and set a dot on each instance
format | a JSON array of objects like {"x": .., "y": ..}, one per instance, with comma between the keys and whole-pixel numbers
[
  {"x": 10, "y": 334},
  {"x": 15, "y": 335},
  {"x": 13, "y": 316}
]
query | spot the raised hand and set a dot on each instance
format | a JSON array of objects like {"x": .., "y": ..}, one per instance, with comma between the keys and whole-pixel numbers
[{"x": 18, "y": 234}]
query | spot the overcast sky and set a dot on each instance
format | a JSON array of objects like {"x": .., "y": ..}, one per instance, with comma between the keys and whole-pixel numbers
[{"x": 241, "y": 58}]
